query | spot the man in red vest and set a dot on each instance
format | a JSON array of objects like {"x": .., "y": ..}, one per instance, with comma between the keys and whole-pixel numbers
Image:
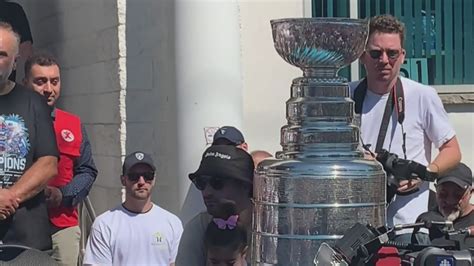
[{"x": 76, "y": 168}]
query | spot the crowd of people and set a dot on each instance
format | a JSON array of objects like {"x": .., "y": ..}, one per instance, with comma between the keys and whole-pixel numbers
[{"x": 47, "y": 167}]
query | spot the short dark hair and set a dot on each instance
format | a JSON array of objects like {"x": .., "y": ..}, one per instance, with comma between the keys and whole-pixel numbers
[
  {"x": 41, "y": 59},
  {"x": 387, "y": 24},
  {"x": 233, "y": 238}
]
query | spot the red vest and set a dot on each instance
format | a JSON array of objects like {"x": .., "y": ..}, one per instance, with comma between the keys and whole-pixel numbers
[{"x": 69, "y": 138}]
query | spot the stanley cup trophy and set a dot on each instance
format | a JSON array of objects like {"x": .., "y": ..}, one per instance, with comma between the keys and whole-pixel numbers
[{"x": 320, "y": 185}]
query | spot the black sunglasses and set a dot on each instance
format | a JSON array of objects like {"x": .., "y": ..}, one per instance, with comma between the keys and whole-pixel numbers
[
  {"x": 391, "y": 54},
  {"x": 147, "y": 176},
  {"x": 217, "y": 183}
]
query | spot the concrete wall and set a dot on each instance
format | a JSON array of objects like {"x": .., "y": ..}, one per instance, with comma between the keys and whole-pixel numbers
[
  {"x": 83, "y": 35},
  {"x": 151, "y": 93}
]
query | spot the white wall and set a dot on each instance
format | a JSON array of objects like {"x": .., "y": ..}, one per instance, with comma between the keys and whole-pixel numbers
[
  {"x": 208, "y": 83},
  {"x": 266, "y": 77},
  {"x": 462, "y": 118}
]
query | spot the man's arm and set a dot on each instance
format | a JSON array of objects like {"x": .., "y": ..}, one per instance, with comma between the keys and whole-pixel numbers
[
  {"x": 448, "y": 157},
  {"x": 85, "y": 173},
  {"x": 177, "y": 233},
  {"x": 45, "y": 152},
  {"x": 35, "y": 178},
  {"x": 98, "y": 247},
  {"x": 440, "y": 132}
]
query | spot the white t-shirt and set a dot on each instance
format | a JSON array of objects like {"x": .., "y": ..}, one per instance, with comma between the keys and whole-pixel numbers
[
  {"x": 121, "y": 237},
  {"x": 426, "y": 122}
]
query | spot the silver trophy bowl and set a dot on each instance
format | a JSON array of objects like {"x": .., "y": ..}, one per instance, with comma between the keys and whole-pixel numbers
[
  {"x": 319, "y": 184},
  {"x": 310, "y": 43}
]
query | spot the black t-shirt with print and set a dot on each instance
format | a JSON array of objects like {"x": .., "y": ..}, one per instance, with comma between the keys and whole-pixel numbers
[
  {"x": 437, "y": 237},
  {"x": 26, "y": 133}
]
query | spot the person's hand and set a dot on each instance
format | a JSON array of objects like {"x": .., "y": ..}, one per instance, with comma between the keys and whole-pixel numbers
[
  {"x": 54, "y": 196},
  {"x": 370, "y": 155},
  {"x": 408, "y": 185},
  {"x": 9, "y": 202}
]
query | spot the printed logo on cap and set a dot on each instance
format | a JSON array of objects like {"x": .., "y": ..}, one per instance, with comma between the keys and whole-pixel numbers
[
  {"x": 139, "y": 156},
  {"x": 67, "y": 135},
  {"x": 222, "y": 131},
  {"x": 217, "y": 155}
]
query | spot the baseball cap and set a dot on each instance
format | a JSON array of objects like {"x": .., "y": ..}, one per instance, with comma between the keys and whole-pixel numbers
[
  {"x": 225, "y": 161},
  {"x": 135, "y": 158},
  {"x": 230, "y": 133},
  {"x": 461, "y": 175}
]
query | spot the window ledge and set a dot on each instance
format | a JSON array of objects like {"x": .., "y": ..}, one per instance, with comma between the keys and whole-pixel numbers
[{"x": 457, "y": 98}]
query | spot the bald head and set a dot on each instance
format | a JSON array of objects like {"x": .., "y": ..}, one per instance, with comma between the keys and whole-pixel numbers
[{"x": 259, "y": 156}]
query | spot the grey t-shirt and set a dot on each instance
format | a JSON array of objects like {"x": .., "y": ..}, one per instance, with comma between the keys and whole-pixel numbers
[{"x": 191, "y": 250}]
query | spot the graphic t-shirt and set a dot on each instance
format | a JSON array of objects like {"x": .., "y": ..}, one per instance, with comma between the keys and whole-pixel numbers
[{"x": 26, "y": 133}]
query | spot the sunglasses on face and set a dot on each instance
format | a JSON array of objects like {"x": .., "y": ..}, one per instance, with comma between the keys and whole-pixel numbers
[
  {"x": 147, "y": 176},
  {"x": 216, "y": 183},
  {"x": 391, "y": 54}
]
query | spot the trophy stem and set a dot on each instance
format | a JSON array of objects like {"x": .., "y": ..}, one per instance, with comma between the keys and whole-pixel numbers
[{"x": 320, "y": 72}]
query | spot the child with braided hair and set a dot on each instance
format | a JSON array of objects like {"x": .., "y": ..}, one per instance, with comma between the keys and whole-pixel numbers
[{"x": 226, "y": 238}]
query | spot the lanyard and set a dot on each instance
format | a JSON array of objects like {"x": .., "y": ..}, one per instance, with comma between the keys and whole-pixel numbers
[{"x": 396, "y": 100}]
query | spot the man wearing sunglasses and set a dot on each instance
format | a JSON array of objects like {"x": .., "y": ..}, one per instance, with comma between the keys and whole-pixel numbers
[
  {"x": 225, "y": 174},
  {"x": 408, "y": 117},
  {"x": 193, "y": 204},
  {"x": 453, "y": 194},
  {"x": 137, "y": 232}
]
